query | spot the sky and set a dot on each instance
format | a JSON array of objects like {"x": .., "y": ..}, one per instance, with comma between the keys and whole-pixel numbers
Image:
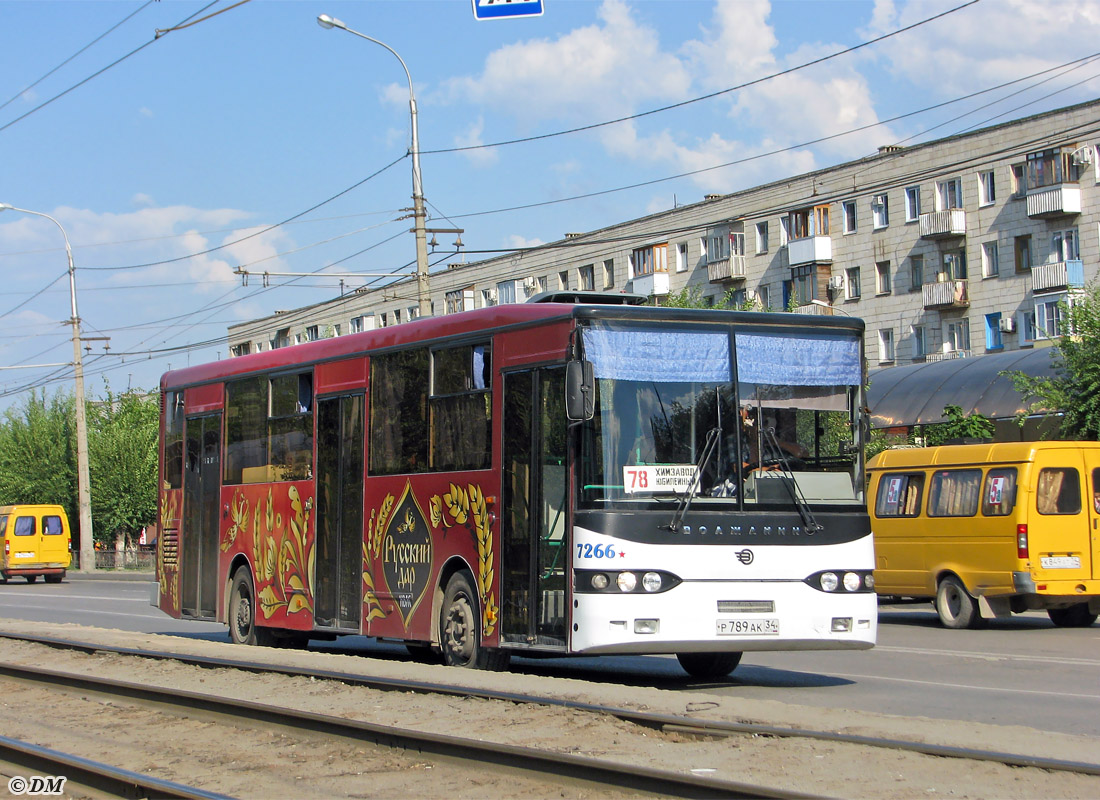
[{"x": 177, "y": 141}]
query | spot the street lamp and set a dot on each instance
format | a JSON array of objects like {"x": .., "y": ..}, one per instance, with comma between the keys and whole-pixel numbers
[
  {"x": 419, "y": 216},
  {"x": 83, "y": 491}
]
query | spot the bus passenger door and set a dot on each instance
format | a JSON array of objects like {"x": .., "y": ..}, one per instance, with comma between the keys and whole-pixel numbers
[
  {"x": 199, "y": 538},
  {"x": 534, "y": 556},
  {"x": 339, "y": 571}
]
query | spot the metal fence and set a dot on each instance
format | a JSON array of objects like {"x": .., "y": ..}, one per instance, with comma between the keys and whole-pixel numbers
[{"x": 144, "y": 560}]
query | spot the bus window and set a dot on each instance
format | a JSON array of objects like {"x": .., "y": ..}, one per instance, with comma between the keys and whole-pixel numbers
[
  {"x": 290, "y": 427},
  {"x": 399, "y": 412},
  {"x": 461, "y": 408},
  {"x": 899, "y": 495},
  {"x": 1058, "y": 491},
  {"x": 51, "y": 525},
  {"x": 246, "y": 431},
  {"x": 999, "y": 497},
  {"x": 173, "y": 439},
  {"x": 954, "y": 493},
  {"x": 269, "y": 429},
  {"x": 24, "y": 526}
]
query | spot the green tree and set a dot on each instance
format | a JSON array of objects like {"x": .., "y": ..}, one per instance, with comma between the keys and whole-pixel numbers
[
  {"x": 37, "y": 456},
  {"x": 1074, "y": 390},
  {"x": 122, "y": 456},
  {"x": 692, "y": 297},
  {"x": 959, "y": 426}
]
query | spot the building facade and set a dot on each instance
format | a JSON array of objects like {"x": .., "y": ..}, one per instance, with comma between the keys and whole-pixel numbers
[{"x": 958, "y": 247}]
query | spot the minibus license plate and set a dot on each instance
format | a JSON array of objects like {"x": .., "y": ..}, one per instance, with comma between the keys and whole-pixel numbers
[
  {"x": 1061, "y": 562},
  {"x": 748, "y": 627}
]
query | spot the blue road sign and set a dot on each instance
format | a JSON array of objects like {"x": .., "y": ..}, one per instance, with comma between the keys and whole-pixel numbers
[{"x": 495, "y": 9}]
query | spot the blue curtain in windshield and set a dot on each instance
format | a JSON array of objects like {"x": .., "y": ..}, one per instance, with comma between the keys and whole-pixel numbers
[
  {"x": 792, "y": 360},
  {"x": 666, "y": 357}
]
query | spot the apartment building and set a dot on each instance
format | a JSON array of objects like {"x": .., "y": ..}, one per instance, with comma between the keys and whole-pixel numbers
[{"x": 955, "y": 248}]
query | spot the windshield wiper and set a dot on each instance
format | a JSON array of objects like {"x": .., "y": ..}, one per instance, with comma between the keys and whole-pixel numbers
[
  {"x": 795, "y": 491},
  {"x": 713, "y": 435}
]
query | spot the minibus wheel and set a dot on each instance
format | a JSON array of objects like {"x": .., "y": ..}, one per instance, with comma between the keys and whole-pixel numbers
[
  {"x": 1075, "y": 616},
  {"x": 31, "y": 578},
  {"x": 242, "y": 612},
  {"x": 709, "y": 666},
  {"x": 956, "y": 607},
  {"x": 460, "y": 629}
]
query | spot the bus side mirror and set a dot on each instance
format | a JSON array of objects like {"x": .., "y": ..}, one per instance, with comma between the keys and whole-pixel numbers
[{"x": 580, "y": 391}]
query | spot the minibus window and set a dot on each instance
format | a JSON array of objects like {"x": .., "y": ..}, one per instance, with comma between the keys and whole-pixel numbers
[
  {"x": 899, "y": 495},
  {"x": 3, "y": 526},
  {"x": 24, "y": 526},
  {"x": 999, "y": 497},
  {"x": 1058, "y": 491},
  {"x": 954, "y": 493},
  {"x": 51, "y": 525}
]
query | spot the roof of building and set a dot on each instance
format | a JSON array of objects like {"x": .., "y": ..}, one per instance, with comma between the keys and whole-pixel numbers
[{"x": 916, "y": 394}]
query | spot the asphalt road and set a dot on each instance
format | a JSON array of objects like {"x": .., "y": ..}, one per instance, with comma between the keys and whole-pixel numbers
[{"x": 1018, "y": 671}]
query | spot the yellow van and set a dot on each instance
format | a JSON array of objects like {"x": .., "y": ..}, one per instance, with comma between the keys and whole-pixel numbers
[
  {"x": 986, "y": 530},
  {"x": 35, "y": 541}
]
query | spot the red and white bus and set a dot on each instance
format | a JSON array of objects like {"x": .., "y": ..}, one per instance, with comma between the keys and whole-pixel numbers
[{"x": 541, "y": 478}]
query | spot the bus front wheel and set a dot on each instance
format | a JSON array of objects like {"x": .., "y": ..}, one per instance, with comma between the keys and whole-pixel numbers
[
  {"x": 242, "y": 612},
  {"x": 709, "y": 666},
  {"x": 1075, "y": 616},
  {"x": 956, "y": 607},
  {"x": 460, "y": 629}
]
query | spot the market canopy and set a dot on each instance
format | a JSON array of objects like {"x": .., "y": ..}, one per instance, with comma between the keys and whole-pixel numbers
[{"x": 916, "y": 394}]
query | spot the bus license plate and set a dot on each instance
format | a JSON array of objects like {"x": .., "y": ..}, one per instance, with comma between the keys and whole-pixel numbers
[
  {"x": 748, "y": 627},
  {"x": 1060, "y": 562}
]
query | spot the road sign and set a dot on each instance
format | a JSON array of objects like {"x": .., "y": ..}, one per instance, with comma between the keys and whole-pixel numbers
[{"x": 495, "y": 9}]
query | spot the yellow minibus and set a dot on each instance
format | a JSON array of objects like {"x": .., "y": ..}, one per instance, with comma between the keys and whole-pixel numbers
[
  {"x": 987, "y": 530},
  {"x": 34, "y": 540}
]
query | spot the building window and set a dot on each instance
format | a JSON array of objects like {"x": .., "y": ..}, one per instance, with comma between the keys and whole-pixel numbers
[
  {"x": 916, "y": 273},
  {"x": 542, "y": 283},
  {"x": 587, "y": 275},
  {"x": 1019, "y": 180},
  {"x": 240, "y": 349},
  {"x": 1065, "y": 246},
  {"x": 1051, "y": 168},
  {"x": 850, "y": 216},
  {"x": 784, "y": 231},
  {"x": 765, "y": 296},
  {"x": 958, "y": 336},
  {"x": 563, "y": 280},
  {"x": 681, "y": 257},
  {"x": 807, "y": 222},
  {"x": 336, "y": 330},
  {"x": 993, "y": 339},
  {"x": 912, "y": 203},
  {"x": 718, "y": 244},
  {"x": 851, "y": 283},
  {"x": 920, "y": 341},
  {"x": 882, "y": 277},
  {"x": 459, "y": 300},
  {"x": 804, "y": 284},
  {"x": 1027, "y": 326},
  {"x": 761, "y": 237},
  {"x": 991, "y": 261},
  {"x": 384, "y": 320},
  {"x": 609, "y": 271},
  {"x": 886, "y": 344},
  {"x": 880, "y": 211},
  {"x": 1022, "y": 250},
  {"x": 412, "y": 312},
  {"x": 650, "y": 259},
  {"x": 506, "y": 292},
  {"x": 313, "y": 333},
  {"x": 737, "y": 244},
  {"x": 949, "y": 194},
  {"x": 987, "y": 192},
  {"x": 954, "y": 265},
  {"x": 1049, "y": 318}
]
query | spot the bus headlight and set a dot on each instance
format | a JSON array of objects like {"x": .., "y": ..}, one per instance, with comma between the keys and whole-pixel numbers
[
  {"x": 626, "y": 581},
  {"x": 651, "y": 582},
  {"x": 869, "y": 580},
  {"x": 849, "y": 580},
  {"x": 600, "y": 581},
  {"x": 829, "y": 581},
  {"x": 852, "y": 582}
]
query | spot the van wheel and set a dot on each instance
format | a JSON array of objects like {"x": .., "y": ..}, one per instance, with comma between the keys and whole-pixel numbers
[
  {"x": 709, "y": 666},
  {"x": 242, "y": 612},
  {"x": 54, "y": 578},
  {"x": 460, "y": 629},
  {"x": 31, "y": 578},
  {"x": 1076, "y": 616},
  {"x": 956, "y": 607}
]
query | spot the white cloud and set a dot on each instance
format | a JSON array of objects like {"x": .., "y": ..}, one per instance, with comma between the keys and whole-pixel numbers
[
  {"x": 520, "y": 242},
  {"x": 473, "y": 138}
]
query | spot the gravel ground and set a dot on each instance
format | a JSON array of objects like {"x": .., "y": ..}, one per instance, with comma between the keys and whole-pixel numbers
[{"x": 248, "y": 760}]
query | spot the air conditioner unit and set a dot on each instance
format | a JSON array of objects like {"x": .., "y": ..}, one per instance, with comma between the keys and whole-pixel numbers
[
  {"x": 491, "y": 294},
  {"x": 529, "y": 284},
  {"x": 836, "y": 282},
  {"x": 1006, "y": 324}
]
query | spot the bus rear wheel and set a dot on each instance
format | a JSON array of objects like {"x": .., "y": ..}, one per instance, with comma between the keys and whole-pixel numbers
[
  {"x": 709, "y": 666},
  {"x": 31, "y": 578},
  {"x": 242, "y": 612},
  {"x": 1075, "y": 616},
  {"x": 956, "y": 607},
  {"x": 460, "y": 629}
]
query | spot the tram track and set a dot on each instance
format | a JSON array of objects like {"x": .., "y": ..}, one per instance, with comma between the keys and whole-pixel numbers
[
  {"x": 550, "y": 766},
  {"x": 669, "y": 723}
]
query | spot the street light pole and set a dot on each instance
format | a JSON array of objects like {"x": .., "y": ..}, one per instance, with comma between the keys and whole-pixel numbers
[
  {"x": 83, "y": 488},
  {"x": 419, "y": 214}
]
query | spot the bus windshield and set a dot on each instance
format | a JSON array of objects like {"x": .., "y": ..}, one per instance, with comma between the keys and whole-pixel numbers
[{"x": 784, "y": 432}]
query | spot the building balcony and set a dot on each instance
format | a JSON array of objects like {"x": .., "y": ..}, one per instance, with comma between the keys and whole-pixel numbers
[
  {"x": 1058, "y": 276},
  {"x": 1054, "y": 201},
  {"x": 726, "y": 269},
  {"x": 653, "y": 285},
  {"x": 943, "y": 224},
  {"x": 947, "y": 356},
  {"x": 810, "y": 250},
  {"x": 817, "y": 308},
  {"x": 946, "y": 294}
]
